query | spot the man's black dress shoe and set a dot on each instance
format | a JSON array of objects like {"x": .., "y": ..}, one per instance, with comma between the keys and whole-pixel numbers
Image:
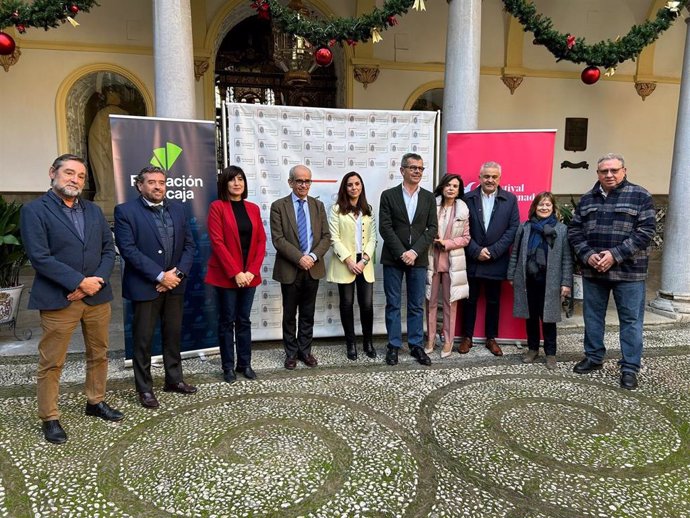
[
  {"x": 229, "y": 377},
  {"x": 290, "y": 364},
  {"x": 369, "y": 350},
  {"x": 247, "y": 372},
  {"x": 53, "y": 432},
  {"x": 148, "y": 400},
  {"x": 586, "y": 365},
  {"x": 103, "y": 411},
  {"x": 628, "y": 380},
  {"x": 419, "y": 354},
  {"x": 392, "y": 355},
  {"x": 180, "y": 388},
  {"x": 309, "y": 360}
]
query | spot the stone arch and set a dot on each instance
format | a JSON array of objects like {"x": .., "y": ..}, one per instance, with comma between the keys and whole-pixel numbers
[
  {"x": 82, "y": 94},
  {"x": 420, "y": 91}
]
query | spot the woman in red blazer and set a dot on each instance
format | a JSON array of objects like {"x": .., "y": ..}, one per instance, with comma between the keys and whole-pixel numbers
[{"x": 238, "y": 247}]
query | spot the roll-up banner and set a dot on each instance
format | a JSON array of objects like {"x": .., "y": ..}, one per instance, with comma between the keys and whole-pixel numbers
[
  {"x": 186, "y": 150},
  {"x": 526, "y": 159}
]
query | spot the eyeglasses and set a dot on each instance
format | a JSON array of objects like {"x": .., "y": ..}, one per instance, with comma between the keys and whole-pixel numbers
[
  {"x": 414, "y": 168},
  {"x": 605, "y": 172},
  {"x": 301, "y": 182}
]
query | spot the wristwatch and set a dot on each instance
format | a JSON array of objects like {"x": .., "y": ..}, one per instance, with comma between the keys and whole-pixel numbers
[
  {"x": 180, "y": 274},
  {"x": 365, "y": 261}
]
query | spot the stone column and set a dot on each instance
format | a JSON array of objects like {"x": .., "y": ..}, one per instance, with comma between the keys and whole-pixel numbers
[
  {"x": 461, "y": 83},
  {"x": 673, "y": 299},
  {"x": 173, "y": 56}
]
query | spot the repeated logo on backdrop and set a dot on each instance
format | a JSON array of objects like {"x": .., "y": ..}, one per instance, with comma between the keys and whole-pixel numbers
[{"x": 266, "y": 141}]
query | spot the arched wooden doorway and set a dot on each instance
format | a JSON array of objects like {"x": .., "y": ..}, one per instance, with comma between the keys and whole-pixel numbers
[{"x": 246, "y": 72}]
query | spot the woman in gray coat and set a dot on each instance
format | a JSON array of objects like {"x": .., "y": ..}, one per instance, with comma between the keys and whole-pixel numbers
[{"x": 541, "y": 272}]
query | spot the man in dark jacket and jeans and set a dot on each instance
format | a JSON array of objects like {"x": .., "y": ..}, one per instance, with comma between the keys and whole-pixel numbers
[
  {"x": 408, "y": 226},
  {"x": 611, "y": 231},
  {"x": 494, "y": 220}
]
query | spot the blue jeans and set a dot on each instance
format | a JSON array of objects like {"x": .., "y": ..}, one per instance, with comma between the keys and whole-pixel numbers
[
  {"x": 630, "y": 300},
  {"x": 392, "y": 286},
  {"x": 235, "y": 326}
]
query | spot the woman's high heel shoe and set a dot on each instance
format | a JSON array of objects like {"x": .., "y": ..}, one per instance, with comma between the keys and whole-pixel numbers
[{"x": 447, "y": 350}]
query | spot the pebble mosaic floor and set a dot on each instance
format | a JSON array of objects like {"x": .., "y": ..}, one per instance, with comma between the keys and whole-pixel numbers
[{"x": 486, "y": 441}]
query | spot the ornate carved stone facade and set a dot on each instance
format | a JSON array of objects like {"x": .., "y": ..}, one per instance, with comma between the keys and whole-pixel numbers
[
  {"x": 512, "y": 82},
  {"x": 644, "y": 90},
  {"x": 200, "y": 68},
  {"x": 7, "y": 61},
  {"x": 366, "y": 74}
]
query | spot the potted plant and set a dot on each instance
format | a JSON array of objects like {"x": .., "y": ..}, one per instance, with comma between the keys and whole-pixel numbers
[{"x": 12, "y": 259}]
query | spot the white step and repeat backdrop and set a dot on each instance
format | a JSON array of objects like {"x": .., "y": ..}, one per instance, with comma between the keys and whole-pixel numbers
[{"x": 266, "y": 141}]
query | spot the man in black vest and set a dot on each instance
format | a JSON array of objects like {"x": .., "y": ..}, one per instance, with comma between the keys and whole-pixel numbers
[{"x": 157, "y": 246}]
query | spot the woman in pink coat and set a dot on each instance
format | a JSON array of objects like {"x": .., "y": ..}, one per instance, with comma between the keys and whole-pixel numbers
[{"x": 446, "y": 275}]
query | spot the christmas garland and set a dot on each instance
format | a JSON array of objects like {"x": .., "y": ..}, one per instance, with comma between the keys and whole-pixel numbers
[
  {"x": 320, "y": 33},
  {"x": 40, "y": 13},
  {"x": 607, "y": 53}
]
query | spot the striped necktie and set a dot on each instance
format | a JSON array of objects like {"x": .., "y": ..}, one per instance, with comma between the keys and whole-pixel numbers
[{"x": 302, "y": 227}]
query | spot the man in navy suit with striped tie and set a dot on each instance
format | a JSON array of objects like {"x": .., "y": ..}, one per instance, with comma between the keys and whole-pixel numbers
[{"x": 300, "y": 235}]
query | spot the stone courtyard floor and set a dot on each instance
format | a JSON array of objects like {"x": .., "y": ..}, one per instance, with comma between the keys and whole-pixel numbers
[{"x": 473, "y": 436}]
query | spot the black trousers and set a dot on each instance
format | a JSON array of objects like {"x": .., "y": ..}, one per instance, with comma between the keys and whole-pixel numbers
[
  {"x": 365, "y": 299},
  {"x": 300, "y": 296},
  {"x": 535, "y": 304},
  {"x": 492, "y": 293},
  {"x": 167, "y": 309}
]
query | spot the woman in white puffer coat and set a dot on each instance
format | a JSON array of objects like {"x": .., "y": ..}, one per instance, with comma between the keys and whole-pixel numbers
[{"x": 446, "y": 274}]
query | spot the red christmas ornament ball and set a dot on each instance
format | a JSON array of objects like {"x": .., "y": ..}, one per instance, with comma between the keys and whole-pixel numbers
[
  {"x": 74, "y": 9},
  {"x": 7, "y": 44},
  {"x": 590, "y": 75},
  {"x": 323, "y": 56}
]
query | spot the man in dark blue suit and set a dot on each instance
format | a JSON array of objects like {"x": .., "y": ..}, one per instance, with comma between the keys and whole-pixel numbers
[
  {"x": 157, "y": 247},
  {"x": 71, "y": 249},
  {"x": 494, "y": 220}
]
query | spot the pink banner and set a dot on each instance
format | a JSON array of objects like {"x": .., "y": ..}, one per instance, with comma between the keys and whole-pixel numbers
[{"x": 526, "y": 158}]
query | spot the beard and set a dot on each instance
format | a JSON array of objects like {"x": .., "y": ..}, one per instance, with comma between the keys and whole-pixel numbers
[{"x": 68, "y": 191}]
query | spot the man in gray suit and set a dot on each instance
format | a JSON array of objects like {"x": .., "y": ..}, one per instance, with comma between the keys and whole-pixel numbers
[
  {"x": 408, "y": 226},
  {"x": 300, "y": 235},
  {"x": 71, "y": 248}
]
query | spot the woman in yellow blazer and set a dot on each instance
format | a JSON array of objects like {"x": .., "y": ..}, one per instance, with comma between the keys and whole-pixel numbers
[{"x": 353, "y": 239}]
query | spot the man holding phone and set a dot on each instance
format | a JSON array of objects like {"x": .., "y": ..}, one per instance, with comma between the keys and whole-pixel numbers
[{"x": 156, "y": 244}]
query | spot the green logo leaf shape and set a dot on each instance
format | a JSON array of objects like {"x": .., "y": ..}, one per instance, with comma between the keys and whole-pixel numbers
[{"x": 165, "y": 157}]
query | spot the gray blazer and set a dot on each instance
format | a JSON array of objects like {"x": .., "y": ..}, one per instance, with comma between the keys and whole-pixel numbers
[
  {"x": 286, "y": 241},
  {"x": 559, "y": 272}
]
